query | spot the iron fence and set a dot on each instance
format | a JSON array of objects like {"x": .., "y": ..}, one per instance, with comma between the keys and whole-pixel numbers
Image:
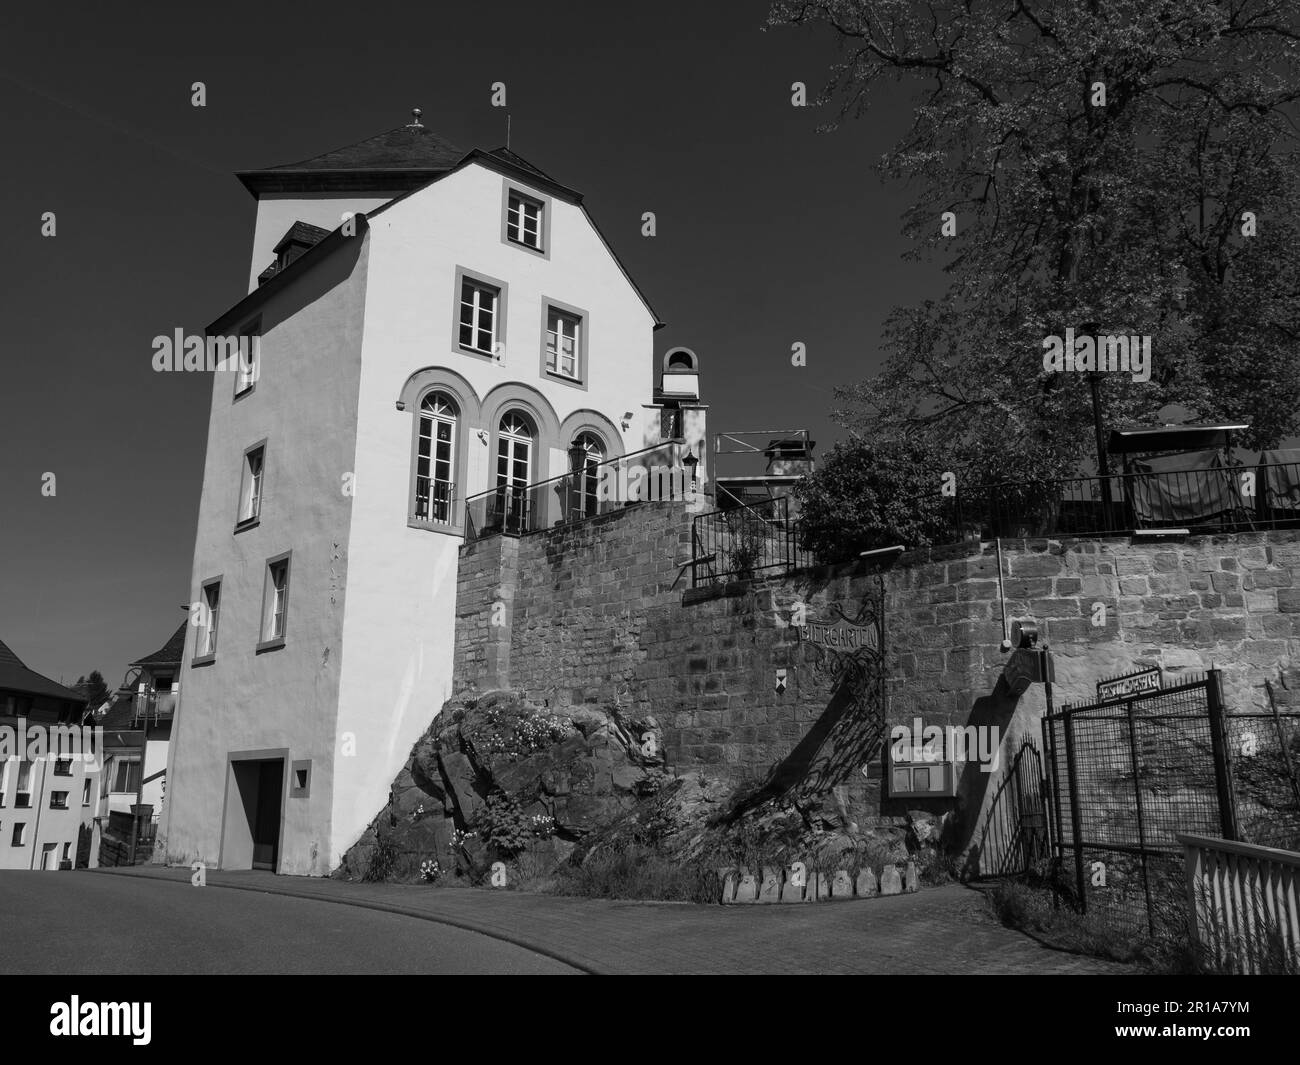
[
  {"x": 742, "y": 542},
  {"x": 1128, "y": 776},
  {"x": 1220, "y": 499}
]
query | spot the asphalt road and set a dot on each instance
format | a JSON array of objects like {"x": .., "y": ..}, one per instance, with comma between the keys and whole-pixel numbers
[{"x": 81, "y": 922}]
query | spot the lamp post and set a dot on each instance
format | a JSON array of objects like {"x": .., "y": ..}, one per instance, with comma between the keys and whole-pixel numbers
[
  {"x": 690, "y": 462},
  {"x": 1094, "y": 386}
]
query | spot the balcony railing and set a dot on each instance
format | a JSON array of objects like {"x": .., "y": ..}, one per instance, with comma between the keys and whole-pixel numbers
[
  {"x": 597, "y": 488},
  {"x": 153, "y": 706},
  {"x": 1214, "y": 500},
  {"x": 434, "y": 502}
]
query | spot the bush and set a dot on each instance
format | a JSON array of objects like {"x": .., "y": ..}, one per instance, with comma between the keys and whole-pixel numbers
[
  {"x": 501, "y": 824},
  {"x": 865, "y": 496}
]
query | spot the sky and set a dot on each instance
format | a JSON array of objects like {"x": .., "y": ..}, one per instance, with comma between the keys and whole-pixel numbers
[{"x": 768, "y": 233}]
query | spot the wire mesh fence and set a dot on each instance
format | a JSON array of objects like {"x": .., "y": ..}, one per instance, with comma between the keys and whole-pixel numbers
[{"x": 1128, "y": 776}]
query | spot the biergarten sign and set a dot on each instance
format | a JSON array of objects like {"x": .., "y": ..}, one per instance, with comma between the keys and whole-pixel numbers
[
  {"x": 842, "y": 636},
  {"x": 1144, "y": 680}
]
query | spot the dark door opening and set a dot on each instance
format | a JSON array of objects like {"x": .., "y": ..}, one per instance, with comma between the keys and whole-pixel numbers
[{"x": 266, "y": 819}]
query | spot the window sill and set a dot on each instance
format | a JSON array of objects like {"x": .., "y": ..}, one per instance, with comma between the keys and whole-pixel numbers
[
  {"x": 445, "y": 527},
  {"x": 270, "y": 645},
  {"x": 565, "y": 379},
  {"x": 491, "y": 355},
  {"x": 202, "y": 660},
  {"x": 248, "y": 523},
  {"x": 526, "y": 246}
]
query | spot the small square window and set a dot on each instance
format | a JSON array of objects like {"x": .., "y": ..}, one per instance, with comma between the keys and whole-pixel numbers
[
  {"x": 300, "y": 781},
  {"x": 524, "y": 220},
  {"x": 58, "y": 800}
]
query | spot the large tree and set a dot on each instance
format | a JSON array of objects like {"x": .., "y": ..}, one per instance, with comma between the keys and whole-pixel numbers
[{"x": 1100, "y": 157}]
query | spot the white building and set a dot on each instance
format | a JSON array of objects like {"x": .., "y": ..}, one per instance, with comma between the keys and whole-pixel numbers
[{"x": 467, "y": 329}]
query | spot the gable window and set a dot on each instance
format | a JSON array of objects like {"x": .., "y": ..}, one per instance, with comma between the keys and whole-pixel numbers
[
  {"x": 275, "y": 603},
  {"x": 562, "y": 343},
  {"x": 250, "y": 490},
  {"x": 435, "y": 459},
  {"x": 479, "y": 316},
  {"x": 207, "y": 641},
  {"x": 524, "y": 220},
  {"x": 514, "y": 470}
]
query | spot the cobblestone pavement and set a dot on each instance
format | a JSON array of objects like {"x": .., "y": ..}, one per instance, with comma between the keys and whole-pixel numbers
[{"x": 937, "y": 930}]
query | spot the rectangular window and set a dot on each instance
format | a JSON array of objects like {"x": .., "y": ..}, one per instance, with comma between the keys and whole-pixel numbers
[
  {"x": 58, "y": 800},
  {"x": 276, "y": 599},
  {"x": 563, "y": 339},
  {"x": 250, "y": 492},
  {"x": 67, "y": 852},
  {"x": 250, "y": 358},
  {"x": 23, "y": 793},
  {"x": 85, "y": 792},
  {"x": 20, "y": 830},
  {"x": 47, "y": 855},
  {"x": 479, "y": 318},
  {"x": 207, "y": 642},
  {"x": 126, "y": 776},
  {"x": 524, "y": 221}
]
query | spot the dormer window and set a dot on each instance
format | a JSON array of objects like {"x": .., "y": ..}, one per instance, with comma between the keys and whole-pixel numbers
[{"x": 524, "y": 220}]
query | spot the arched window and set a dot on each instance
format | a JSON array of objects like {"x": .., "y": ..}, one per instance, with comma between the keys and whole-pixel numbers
[
  {"x": 586, "y": 496},
  {"x": 435, "y": 459},
  {"x": 514, "y": 469}
]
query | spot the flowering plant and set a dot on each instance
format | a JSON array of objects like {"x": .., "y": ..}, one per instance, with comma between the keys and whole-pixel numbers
[{"x": 430, "y": 870}]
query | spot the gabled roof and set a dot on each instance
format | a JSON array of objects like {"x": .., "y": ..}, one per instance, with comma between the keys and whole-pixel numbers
[
  {"x": 517, "y": 160},
  {"x": 16, "y": 677},
  {"x": 400, "y": 158},
  {"x": 170, "y": 653}
]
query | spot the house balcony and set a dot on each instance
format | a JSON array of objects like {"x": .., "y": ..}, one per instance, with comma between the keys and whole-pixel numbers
[{"x": 151, "y": 707}]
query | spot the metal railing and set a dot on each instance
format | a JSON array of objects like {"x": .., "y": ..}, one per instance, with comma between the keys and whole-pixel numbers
[
  {"x": 598, "y": 488},
  {"x": 434, "y": 501},
  {"x": 1222, "y": 499},
  {"x": 740, "y": 543},
  {"x": 158, "y": 705}
]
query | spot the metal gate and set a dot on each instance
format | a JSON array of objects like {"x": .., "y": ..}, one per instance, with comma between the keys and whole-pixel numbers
[{"x": 1128, "y": 775}]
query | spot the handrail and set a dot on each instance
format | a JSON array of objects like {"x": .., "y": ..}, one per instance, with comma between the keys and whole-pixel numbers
[
  {"x": 564, "y": 476},
  {"x": 1243, "y": 850}
]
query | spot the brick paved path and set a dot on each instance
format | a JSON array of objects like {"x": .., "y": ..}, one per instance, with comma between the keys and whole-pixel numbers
[{"x": 938, "y": 930}]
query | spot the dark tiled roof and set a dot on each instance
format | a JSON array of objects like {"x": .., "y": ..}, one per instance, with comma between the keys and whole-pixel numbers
[
  {"x": 16, "y": 677},
  {"x": 121, "y": 715},
  {"x": 170, "y": 653},
  {"x": 406, "y": 150},
  {"x": 507, "y": 156},
  {"x": 302, "y": 233}
]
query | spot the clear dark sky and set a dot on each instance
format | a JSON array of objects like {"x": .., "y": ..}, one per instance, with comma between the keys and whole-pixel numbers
[{"x": 768, "y": 233}]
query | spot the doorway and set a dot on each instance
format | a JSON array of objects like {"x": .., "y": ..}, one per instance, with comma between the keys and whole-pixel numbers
[{"x": 254, "y": 802}]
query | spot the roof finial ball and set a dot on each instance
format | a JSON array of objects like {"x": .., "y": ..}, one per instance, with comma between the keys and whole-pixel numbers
[{"x": 415, "y": 118}]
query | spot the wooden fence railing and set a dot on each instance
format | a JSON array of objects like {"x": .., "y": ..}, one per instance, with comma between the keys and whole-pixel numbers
[{"x": 1244, "y": 905}]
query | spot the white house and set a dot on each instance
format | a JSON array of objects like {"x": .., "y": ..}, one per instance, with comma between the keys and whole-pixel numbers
[{"x": 434, "y": 325}]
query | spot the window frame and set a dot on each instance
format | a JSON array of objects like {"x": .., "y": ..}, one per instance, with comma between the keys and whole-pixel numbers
[
  {"x": 268, "y": 642},
  {"x": 245, "y": 487},
  {"x": 125, "y": 762},
  {"x": 456, "y": 420},
  {"x": 545, "y": 217},
  {"x": 251, "y": 328},
  {"x": 55, "y": 804},
  {"x": 473, "y": 277},
  {"x": 203, "y": 657},
  {"x": 583, "y": 319}
]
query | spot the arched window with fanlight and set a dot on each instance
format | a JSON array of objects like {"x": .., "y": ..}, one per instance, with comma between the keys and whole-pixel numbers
[
  {"x": 515, "y": 436},
  {"x": 435, "y": 459},
  {"x": 588, "y": 452}
]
